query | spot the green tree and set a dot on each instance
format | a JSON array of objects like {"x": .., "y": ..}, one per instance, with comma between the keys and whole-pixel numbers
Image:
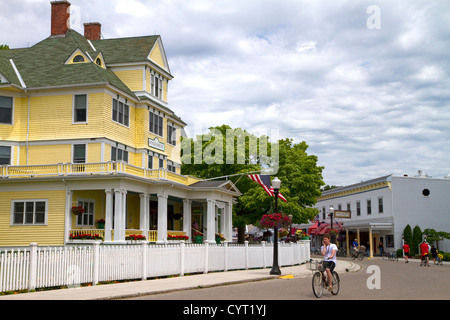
[
  {"x": 436, "y": 236},
  {"x": 416, "y": 240},
  {"x": 4, "y": 47},
  {"x": 301, "y": 177},
  {"x": 407, "y": 235}
]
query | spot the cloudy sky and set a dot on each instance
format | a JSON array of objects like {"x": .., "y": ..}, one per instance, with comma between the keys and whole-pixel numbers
[{"x": 365, "y": 83}]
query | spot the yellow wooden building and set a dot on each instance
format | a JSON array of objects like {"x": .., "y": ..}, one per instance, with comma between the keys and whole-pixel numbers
[{"x": 85, "y": 121}]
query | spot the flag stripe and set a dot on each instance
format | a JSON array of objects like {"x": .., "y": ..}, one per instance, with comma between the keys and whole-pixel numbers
[{"x": 264, "y": 181}]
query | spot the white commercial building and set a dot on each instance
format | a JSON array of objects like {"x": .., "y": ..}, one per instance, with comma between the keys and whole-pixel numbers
[{"x": 379, "y": 209}]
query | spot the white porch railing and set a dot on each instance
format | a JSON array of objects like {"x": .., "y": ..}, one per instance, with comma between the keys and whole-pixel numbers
[
  {"x": 97, "y": 168},
  {"x": 37, "y": 267}
]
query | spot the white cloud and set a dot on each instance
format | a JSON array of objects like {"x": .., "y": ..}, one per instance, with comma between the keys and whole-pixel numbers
[{"x": 367, "y": 102}]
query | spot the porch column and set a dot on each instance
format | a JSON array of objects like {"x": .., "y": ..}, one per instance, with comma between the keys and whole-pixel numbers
[
  {"x": 228, "y": 223},
  {"x": 68, "y": 224},
  {"x": 108, "y": 215},
  {"x": 370, "y": 242},
  {"x": 347, "y": 243},
  {"x": 357, "y": 236},
  {"x": 187, "y": 217},
  {"x": 119, "y": 216},
  {"x": 144, "y": 214},
  {"x": 210, "y": 221},
  {"x": 162, "y": 218}
]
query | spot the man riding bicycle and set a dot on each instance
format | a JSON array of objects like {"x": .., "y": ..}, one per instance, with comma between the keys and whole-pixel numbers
[{"x": 329, "y": 257}]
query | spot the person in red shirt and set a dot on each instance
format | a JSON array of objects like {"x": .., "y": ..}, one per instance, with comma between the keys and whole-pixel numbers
[
  {"x": 406, "y": 252},
  {"x": 424, "y": 254}
]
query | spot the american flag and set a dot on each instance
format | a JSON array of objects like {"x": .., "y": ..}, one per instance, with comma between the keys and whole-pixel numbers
[{"x": 264, "y": 181}]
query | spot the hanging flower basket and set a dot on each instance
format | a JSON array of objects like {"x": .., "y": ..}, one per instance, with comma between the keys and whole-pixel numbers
[
  {"x": 77, "y": 210},
  {"x": 275, "y": 220}
]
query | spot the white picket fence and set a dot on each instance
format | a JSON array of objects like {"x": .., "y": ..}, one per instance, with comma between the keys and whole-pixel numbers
[{"x": 38, "y": 267}]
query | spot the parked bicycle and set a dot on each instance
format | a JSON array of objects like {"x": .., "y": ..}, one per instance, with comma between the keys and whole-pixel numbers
[
  {"x": 319, "y": 280},
  {"x": 389, "y": 256},
  {"x": 342, "y": 252}
]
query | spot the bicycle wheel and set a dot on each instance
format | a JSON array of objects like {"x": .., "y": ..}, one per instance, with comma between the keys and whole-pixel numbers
[
  {"x": 336, "y": 282},
  {"x": 317, "y": 284},
  {"x": 385, "y": 256},
  {"x": 360, "y": 256},
  {"x": 395, "y": 257}
]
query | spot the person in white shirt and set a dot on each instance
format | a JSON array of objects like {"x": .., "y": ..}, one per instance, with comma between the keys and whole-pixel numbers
[{"x": 329, "y": 257}]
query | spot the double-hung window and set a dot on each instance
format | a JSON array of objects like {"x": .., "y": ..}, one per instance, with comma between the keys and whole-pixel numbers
[
  {"x": 87, "y": 218},
  {"x": 6, "y": 110},
  {"x": 5, "y": 155},
  {"x": 156, "y": 85},
  {"x": 380, "y": 205},
  {"x": 369, "y": 206},
  {"x": 155, "y": 123},
  {"x": 119, "y": 154},
  {"x": 29, "y": 212},
  {"x": 121, "y": 112},
  {"x": 171, "y": 135},
  {"x": 80, "y": 108},
  {"x": 79, "y": 153}
]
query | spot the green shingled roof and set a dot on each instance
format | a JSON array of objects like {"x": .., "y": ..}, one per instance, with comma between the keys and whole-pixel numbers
[
  {"x": 124, "y": 50},
  {"x": 42, "y": 65}
]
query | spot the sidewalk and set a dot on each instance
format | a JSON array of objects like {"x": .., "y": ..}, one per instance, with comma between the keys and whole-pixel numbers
[{"x": 138, "y": 288}]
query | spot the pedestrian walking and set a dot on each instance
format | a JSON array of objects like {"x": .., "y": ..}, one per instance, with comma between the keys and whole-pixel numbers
[
  {"x": 406, "y": 252},
  {"x": 380, "y": 247}
]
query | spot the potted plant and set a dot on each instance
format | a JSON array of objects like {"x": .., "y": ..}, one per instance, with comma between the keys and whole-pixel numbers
[
  {"x": 198, "y": 237},
  {"x": 219, "y": 238},
  {"x": 77, "y": 210},
  {"x": 101, "y": 223}
]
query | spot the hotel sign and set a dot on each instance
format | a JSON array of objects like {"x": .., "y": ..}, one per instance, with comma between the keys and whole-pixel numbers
[
  {"x": 342, "y": 214},
  {"x": 154, "y": 143}
]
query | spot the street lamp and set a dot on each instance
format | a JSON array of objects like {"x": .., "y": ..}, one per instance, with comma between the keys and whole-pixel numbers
[
  {"x": 276, "y": 183},
  {"x": 331, "y": 209}
]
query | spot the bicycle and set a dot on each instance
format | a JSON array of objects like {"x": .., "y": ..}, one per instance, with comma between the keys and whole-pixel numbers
[
  {"x": 357, "y": 255},
  {"x": 341, "y": 253},
  {"x": 424, "y": 260},
  {"x": 319, "y": 280},
  {"x": 390, "y": 256},
  {"x": 439, "y": 259}
]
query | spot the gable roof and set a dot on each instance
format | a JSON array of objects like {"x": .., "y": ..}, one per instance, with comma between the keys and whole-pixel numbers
[
  {"x": 130, "y": 50},
  {"x": 223, "y": 185}
]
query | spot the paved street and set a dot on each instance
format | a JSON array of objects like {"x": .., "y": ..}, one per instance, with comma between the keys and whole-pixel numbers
[{"x": 389, "y": 281}]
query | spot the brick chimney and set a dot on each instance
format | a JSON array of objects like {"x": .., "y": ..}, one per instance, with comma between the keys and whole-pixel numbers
[
  {"x": 92, "y": 30},
  {"x": 60, "y": 17}
]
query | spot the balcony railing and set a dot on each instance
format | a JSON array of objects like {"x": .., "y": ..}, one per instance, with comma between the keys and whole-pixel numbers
[{"x": 87, "y": 169}]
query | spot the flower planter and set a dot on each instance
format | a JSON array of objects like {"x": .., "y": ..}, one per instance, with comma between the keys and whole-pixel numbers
[
  {"x": 198, "y": 239},
  {"x": 101, "y": 225}
]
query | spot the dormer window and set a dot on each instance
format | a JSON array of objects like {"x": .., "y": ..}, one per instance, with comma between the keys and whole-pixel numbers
[
  {"x": 98, "y": 61},
  {"x": 78, "y": 58}
]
